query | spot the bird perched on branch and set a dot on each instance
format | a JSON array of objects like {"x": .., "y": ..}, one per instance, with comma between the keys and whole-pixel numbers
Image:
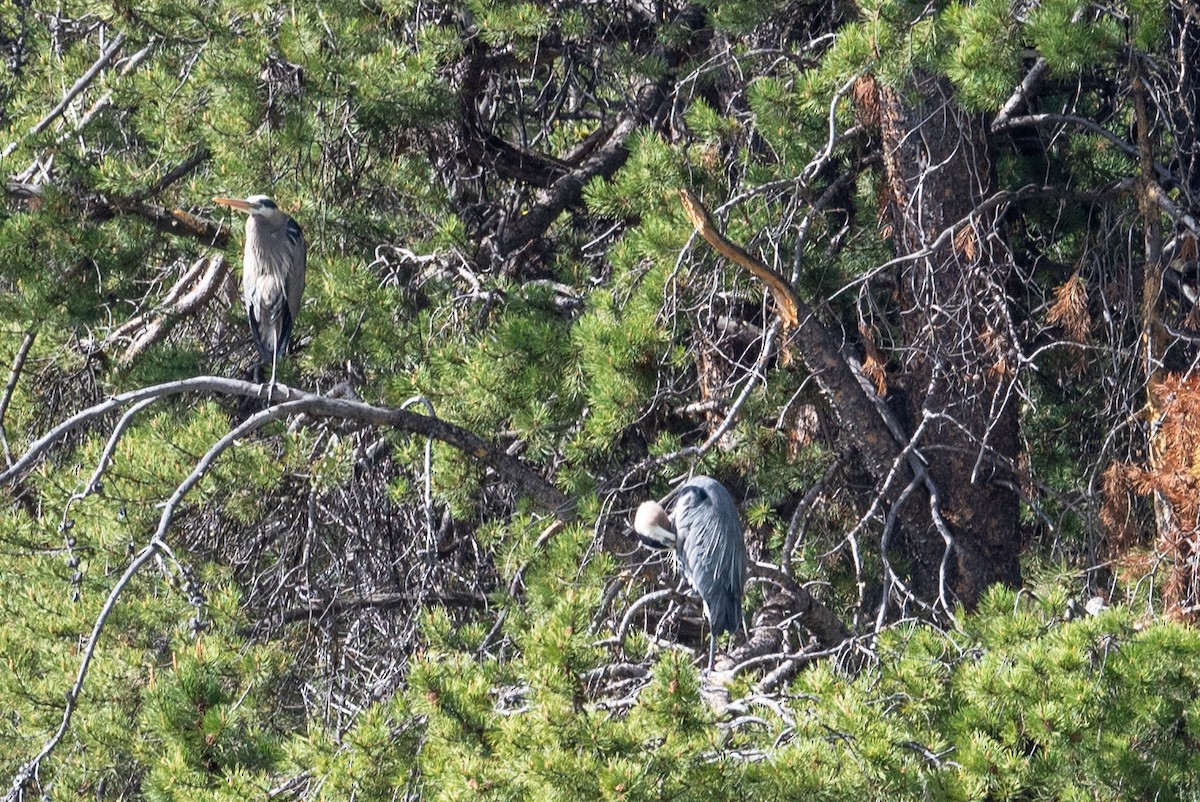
[
  {"x": 273, "y": 265},
  {"x": 707, "y": 537}
]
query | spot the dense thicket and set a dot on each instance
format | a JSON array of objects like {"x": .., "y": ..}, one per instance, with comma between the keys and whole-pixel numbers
[{"x": 948, "y": 377}]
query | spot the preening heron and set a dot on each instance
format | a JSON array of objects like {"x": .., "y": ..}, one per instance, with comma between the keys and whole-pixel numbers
[
  {"x": 273, "y": 265},
  {"x": 707, "y": 538}
]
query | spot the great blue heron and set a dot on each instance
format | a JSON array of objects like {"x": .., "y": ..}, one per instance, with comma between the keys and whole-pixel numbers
[
  {"x": 707, "y": 538},
  {"x": 273, "y": 265}
]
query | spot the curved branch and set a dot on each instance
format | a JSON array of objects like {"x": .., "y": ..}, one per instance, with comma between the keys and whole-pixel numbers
[
  {"x": 1037, "y": 120},
  {"x": 156, "y": 546},
  {"x": 821, "y": 351},
  {"x": 30, "y": 767},
  {"x": 525, "y": 478},
  {"x": 785, "y": 297}
]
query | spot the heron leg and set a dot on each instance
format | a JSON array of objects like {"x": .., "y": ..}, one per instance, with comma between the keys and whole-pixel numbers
[{"x": 271, "y": 386}]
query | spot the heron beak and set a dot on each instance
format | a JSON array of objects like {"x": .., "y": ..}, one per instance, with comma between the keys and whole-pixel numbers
[{"x": 234, "y": 203}]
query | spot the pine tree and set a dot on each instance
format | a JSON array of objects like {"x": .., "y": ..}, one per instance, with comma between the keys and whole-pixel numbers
[{"x": 963, "y": 259}]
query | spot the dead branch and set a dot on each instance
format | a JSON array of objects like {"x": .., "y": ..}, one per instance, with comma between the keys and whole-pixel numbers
[
  {"x": 319, "y": 608},
  {"x": 145, "y": 329},
  {"x": 10, "y": 386},
  {"x": 106, "y": 57},
  {"x": 821, "y": 351},
  {"x": 786, "y": 302},
  {"x": 816, "y": 617},
  {"x": 199, "y": 156},
  {"x": 99, "y": 207},
  {"x": 297, "y": 401},
  {"x": 105, "y": 100}
]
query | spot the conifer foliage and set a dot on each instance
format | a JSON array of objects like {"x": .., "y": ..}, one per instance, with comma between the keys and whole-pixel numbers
[{"x": 917, "y": 282}]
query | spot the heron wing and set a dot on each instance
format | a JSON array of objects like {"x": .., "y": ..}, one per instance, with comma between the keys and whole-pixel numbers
[
  {"x": 712, "y": 550},
  {"x": 270, "y": 319},
  {"x": 296, "y": 271}
]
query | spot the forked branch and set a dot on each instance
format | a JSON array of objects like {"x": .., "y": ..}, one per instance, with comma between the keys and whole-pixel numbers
[{"x": 289, "y": 401}]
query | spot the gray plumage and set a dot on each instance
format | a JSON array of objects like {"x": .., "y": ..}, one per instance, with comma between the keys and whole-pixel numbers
[
  {"x": 707, "y": 537},
  {"x": 274, "y": 262}
]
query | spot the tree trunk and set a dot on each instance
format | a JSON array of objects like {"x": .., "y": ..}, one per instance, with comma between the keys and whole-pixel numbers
[{"x": 959, "y": 357}]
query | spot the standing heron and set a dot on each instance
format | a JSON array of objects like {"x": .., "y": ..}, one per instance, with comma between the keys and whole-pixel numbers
[
  {"x": 273, "y": 265},
  {"x": 708, "y": 540}
]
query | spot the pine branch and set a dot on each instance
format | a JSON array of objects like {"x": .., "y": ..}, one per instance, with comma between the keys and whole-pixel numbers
[
  {"x": 568, "y": 189},
  {"x": 106, "y": 57},
  {"x": 297, "y": 402},
  {"x": 99, "y": 207}
]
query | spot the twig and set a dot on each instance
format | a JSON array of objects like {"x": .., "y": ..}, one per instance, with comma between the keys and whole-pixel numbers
[
  {"x": 627, "y": 619},
  {"x": 107, "y": 56},
  {"x": 111, "y": 446},
  {"x": 759, "y": 372},
  {"x": 514, "y": 586},
  {"x": 10, "y": 386},
  {"x": 814, "y": 167},
  {"x": 428, "y": 464},
  {"x": 810, "y": 497},
  {"x": 30, "y": 767}
]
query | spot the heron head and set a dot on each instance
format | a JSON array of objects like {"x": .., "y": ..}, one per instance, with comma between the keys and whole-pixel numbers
[
  {"x": 653, "y": 527},
  {"x": 259, "y": 205}
]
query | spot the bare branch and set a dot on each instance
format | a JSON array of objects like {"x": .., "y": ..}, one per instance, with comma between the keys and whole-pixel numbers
[
  {"x": 10, "y": 386},
  {"x": 298, "y": 401},
  {"x": 106, "y": 57},
  {"x": 1019, "y": 95},
  {"x": 153, "y": 327},
  {"x": 319, "y": 608},
  {"x": 101, "y": 207}
]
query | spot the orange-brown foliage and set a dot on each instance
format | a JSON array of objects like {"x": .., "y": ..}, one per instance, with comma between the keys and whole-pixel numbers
[
  {"x": 1174, "y": 479},
  {"x": 1070, "y": 309},
  {"x": 866, "y": 101},
  {"x": 874, "y": 366},
  {"x": 966, "y": 244}
]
